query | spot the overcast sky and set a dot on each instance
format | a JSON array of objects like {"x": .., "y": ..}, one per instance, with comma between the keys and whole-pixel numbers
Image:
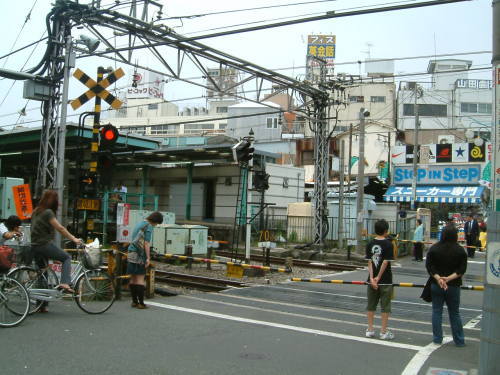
[{"x": 452, "y": 28}]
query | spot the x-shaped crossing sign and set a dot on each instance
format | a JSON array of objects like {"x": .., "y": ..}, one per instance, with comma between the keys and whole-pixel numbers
[{"x": 97, "y": 89}]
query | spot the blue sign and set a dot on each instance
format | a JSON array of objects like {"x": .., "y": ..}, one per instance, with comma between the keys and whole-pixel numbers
[{"x": 435, "y": 174}]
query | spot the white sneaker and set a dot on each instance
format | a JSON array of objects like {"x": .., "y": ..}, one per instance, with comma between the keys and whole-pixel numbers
[
  {"x": 388, "y": 335},
  {"x": 370, "y": 333}
]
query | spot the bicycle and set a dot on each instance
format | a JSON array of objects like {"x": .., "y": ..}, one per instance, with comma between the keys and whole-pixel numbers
[
  {"x": 94, "y": 289},
  {"x": 14, "y": 301}
]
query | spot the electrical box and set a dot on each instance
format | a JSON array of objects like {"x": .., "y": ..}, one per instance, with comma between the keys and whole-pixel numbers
[
  {"x": 7, "y": 205},
  {"x": 170, "y": 238},
  {"x": 198, "y": 238},
  {"x": 34, "y": 90}
]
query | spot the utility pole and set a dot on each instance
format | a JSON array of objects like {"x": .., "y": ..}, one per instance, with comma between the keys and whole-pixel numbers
[
  {"x": 489, "y": 351},
  {"x": 360, "y": 180},
  {"x": 341, "y": 198},
  {"x": 349, "y": 185},
  {"x": 321, "y": 143},
  {"x": 69, "y": 62},
  {"x": 415, "y": 152},
  {"x": 248, "y": 232}
]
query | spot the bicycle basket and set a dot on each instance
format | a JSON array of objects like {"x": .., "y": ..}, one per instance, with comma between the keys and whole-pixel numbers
[{"x": 92, "y": 257}]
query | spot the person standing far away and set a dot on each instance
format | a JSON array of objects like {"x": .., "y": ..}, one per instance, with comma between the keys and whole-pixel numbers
[
  {"x": 471, "y": 229},
  {"x": 10, "y": 229},
  {"x": 418, "y": 238},
  {"x": 43, "y": 227},
  {"x": 446, "y": 263},
  {"x": 139, "y": 257},
  {"x": 379, "y": 253}
]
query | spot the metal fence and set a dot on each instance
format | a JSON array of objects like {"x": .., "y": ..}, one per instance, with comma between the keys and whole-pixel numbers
[{"x": 300, "y": 229}]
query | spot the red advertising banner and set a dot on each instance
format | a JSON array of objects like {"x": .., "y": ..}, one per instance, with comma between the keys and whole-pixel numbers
[{"x": 22, "y": 199}]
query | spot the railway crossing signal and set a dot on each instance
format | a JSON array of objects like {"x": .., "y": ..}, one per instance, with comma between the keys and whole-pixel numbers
[
  {"x": 243, "y": 152},
  {"x": 109, "y": 135},
  {"x": 97, "y": 88}
]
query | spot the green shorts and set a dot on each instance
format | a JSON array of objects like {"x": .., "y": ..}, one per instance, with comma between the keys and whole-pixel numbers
[{"x": 384, "y": 294}]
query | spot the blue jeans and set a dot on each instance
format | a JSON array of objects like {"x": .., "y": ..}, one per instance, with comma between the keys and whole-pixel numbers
[
  {"x": 51, "y": 251},
  {"x": 452, "y": 298}
]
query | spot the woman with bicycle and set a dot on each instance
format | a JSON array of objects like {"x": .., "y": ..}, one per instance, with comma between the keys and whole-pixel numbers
[
  {"x": 43, "y": 227},
  {"x": 138, "y": 258}
]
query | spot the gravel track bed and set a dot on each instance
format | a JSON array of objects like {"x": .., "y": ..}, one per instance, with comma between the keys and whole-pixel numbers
[{"x": 218, "y": 271}]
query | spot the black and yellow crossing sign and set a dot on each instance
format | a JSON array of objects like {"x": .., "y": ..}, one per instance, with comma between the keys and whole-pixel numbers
[{"x": 98, "y": 88}]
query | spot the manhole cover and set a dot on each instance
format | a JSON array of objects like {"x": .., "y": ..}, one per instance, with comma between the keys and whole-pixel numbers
[{"x": 253, "y": 356}]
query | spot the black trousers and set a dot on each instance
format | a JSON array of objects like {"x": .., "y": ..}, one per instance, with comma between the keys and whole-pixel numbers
[
  {"x": 471, "y": 240},
  {"x": 418, "y": 249}
]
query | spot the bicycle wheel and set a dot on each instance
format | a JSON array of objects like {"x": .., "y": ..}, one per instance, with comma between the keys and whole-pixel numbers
[
  {"x": 33, "y": 279},
  {"x": 94, "y": 291},
  {"x": 14, "y": 302}
]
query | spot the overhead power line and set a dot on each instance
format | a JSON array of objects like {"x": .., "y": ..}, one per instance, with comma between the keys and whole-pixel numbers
[
  {"x": 244, "y": 10},
  {"x": 326, "y": 16}
]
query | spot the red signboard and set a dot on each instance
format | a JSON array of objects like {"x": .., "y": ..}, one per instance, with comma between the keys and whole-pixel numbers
[{"x": 22, "y": 199}]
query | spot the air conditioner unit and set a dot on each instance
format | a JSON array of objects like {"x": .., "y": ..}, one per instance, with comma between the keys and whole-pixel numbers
[{"x": 446, "y": 139}]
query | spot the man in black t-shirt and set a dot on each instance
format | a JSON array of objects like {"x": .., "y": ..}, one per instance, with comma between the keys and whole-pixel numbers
[{"x": 379, "y": 253}]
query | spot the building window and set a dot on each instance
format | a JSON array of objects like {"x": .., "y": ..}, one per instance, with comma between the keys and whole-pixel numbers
[
  {"x": 356, "y": 99},
  {"x": 164, "y": 129},
  {"x": 475, "y": 107},
  {"x": 153, "y": 106},
  {"x": 433, "y": 110},
  {"x": 121, "y": 112},
  {"x": 221, "y": 109},
  {"x": 135, "y": 129},
  {"x": 272, "y": 123},
  {"x": 222, "y": 126},
  {"x": 377, "y": 99},
  {"x": 197, "y": 128},
  {"x": 285, "y": 182}
]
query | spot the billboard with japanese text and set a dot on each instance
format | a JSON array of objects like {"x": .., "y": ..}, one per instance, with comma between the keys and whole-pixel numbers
[{"x": 321, "y": 50}]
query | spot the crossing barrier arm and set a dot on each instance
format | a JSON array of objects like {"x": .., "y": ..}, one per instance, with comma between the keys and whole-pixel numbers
[{"x": 405, "y": 285}]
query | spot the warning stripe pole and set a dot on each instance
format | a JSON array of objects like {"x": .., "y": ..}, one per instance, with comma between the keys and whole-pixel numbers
[
  {"x": 430, "y": 243},
  {"x": 94, "y": 146},
  {"x": 215, "y": 261},
  {"x": 406, "y": 285}
]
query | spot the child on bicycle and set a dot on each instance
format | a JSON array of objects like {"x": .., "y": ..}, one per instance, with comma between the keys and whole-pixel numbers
[{"x": 10, "y": 229}]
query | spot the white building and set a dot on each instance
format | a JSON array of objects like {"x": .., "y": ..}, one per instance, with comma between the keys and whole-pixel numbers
[
  {"x": 448, "y": 106},
  {"x": 158, "y": 118}
]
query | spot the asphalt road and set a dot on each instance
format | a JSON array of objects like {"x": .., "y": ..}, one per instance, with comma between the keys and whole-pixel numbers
[{"x": 292, "y": 328}]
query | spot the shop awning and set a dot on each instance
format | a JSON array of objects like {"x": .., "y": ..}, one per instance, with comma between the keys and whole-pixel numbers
[{"x": 436, "y": 194}]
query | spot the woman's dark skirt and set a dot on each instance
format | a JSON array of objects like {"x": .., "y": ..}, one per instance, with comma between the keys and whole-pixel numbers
[{"x": 136, "y": 269}]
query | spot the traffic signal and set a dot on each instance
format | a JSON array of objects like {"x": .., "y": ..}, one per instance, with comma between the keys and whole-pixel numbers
[
  {"x": 88, "y": 185},
  {"x": 105, "y": 167},
  {"x": 261, "y": 181},
  {"x": 243, "y": 152},
  {"x": 109, "y": 135}
]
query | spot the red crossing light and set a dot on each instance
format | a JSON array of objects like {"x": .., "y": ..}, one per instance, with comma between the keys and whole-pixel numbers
[{"x": 109, "y": 135}]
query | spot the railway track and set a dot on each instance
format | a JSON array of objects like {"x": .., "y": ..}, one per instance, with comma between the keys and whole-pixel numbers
[
  {"x": 206, "y": 284},
  {"x": 296, "y": 262}
]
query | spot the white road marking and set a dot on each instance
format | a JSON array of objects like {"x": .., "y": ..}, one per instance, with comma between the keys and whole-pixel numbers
[
  {"x": 360, "y": 297},
  {"x": 289, "y": 327},
  {"x": 471, "y": 324},
  {"x": 425, "y": 333},
  {"x": 418, "y": 360},
  {"x": 321, "y": 276},
  {"x": 317, "y": 308}
]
